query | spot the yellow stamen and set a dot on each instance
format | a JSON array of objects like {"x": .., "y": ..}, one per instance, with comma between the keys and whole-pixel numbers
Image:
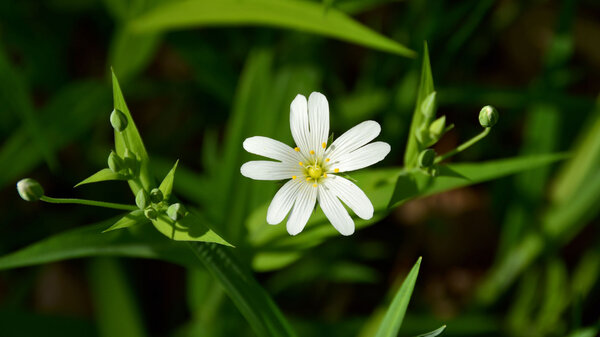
[
  {"x": 307, "y": 178},
  {"x": 312, "y": 152},
  {"x": 294, "y": 177},
  {"x": 301, "y": 163},
  {"x": 324, "y": 175},
  {"x": 336, "y": 170},
  {"x": 297, "y": 149},
  {"x": 314, "y": 185},
  {"x": 324, "y": 145},
  {"x": 327, "y": 160}
]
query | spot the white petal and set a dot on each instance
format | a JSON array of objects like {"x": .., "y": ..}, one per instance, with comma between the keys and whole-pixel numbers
[
  {"x": 303, "y": 208},
  {"x": 269, "y": 170},
  {"x": 299, "y": 123},
  {"x": 354, "y": 138},
  {"x": 283, "y": 202},
  {"x": 318, "y": 117},
  {"x": 363, "y": 157},
  {"x": 270, "y": 148},
  {"x": 335, "y": 211},
  {"x": 351, "y": 195}
]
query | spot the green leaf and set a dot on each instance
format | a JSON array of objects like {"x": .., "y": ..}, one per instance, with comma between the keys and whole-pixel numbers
[
  {"x": 250, "y": 298},
  {"x": 134, "y": 218},
  {"x": 102, "y": 175},
  {"x": 130, "y": 53},
  {"x": 166, "y": 186},
  {"x": 301, "y": 15},
  {"x": 275, "y": 248},
  {"x": 425, "y": 89},
  {"x": 434, "y": 333},
  {"x": 395, "y": 315},
  {"x": 189, "y": 228},
  {"x": 585, "y": 332},
  {"x": 115, "y": 308},
  {"x": 130, "y": 139},
  {"x": 137, "y": 241},
  {"x": 464, "y": 174}
]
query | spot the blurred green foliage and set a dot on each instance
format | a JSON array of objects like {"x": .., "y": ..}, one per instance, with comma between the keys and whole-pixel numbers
[{"x": 519, "y": 256}]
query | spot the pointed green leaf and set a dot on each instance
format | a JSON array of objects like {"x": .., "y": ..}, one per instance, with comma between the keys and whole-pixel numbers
[
  {"x": 130, "y": 139},
  {"x": 166, "y": 186},
  {"x": 134, "y": 218},
  {"x": 301, "y": 15},
  {"x": 102, "y": 175},
  {"x": 189, "y": 228},
  {"x": 434, "y": 333},
  {"x": 395, "y": 315},
  {"x": 425, "y": 89}
]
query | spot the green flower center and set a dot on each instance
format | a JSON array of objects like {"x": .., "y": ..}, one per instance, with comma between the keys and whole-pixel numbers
[{"x": 315, "y": 171}]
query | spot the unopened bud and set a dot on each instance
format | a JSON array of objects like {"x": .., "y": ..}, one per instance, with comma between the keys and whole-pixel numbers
[
  {"x": 156, "y": 196},
  {"x": 141, "y": 199},
  {"x": 488, "y": 116},
  {"x": 436, "y": 129},
  {"x": 150, "y": 213},
  {"x": 176, "y": 211},
  {"x": 131, "y": 162},
  {"x": 118, "y": 120},
  {"x": 115, "y": 163},
  {"x": 428, "y": 106},
  {"x": 29, "y": 189},
  {"x": 426, "y": 158}
]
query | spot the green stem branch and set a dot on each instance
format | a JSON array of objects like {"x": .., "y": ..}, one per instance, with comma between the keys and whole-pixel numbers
[
  {"x": 89, "y": 203},
  {"x": 463, "y": 146}
]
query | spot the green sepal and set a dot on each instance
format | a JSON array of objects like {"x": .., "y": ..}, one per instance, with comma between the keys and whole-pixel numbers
[
  {"x": 102, "y": 175},
  {"x": 166, "y": 186},
  {"x": 133, "y": 218}
]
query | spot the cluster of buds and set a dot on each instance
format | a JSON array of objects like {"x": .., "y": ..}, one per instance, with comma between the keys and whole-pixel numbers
[{"x": 154, "y": 203}]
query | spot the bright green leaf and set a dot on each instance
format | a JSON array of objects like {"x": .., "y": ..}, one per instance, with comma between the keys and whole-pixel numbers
[
  {"x": 395, "y": 315},
  {"x": 134, "y": 218},
  {"x": 130, "y": 139},
  {"x": 425, "y": 90},
  {"x": 301, "y": 15},
  {"x": 102, "y": 175}
]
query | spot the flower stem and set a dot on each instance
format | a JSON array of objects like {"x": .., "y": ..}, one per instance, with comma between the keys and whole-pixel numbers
[
  {"x": 463, "y": 146},
  {"x": 89, "y": 203}
]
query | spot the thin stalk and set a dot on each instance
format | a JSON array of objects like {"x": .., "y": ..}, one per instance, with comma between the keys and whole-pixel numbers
[
  {"x": 463, "y": 146},
  {"x": 89, "y": 203}
]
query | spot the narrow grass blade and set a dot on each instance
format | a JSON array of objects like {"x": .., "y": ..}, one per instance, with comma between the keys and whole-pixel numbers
[
  {"x": 395, "y": 315},
  {"x": 434, "y": 333},
  {"x": 115, "y": 307},
  {"x": 301, "y": 15}
]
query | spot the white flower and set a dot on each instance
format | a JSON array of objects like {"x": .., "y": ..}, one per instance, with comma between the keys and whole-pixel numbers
[{"x": 312, "y": 167}]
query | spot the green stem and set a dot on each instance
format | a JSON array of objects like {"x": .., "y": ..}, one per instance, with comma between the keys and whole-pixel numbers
[
  {"x": 89, "y": 203},
  {"x": 463, "y": 146}
]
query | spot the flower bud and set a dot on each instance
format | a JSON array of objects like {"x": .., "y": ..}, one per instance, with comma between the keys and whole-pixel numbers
[
  {"x": 150, "y": 213},
  {"x": 426, "y": 158},
  {"x": 141, "y": 199},
  {"x": 156, "y": 196},
  {"x": 115, "y": 163},
  {"x": 118, "y": 120},
  {"x": 176, "y": 211},
  {"x": 428, "y": 106},
  {"x": 131, "y": 162},
  {"x": 488, "y": 116},
  {"x": 29, "y": 189},
  {"x": 436, "y": 129}
]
